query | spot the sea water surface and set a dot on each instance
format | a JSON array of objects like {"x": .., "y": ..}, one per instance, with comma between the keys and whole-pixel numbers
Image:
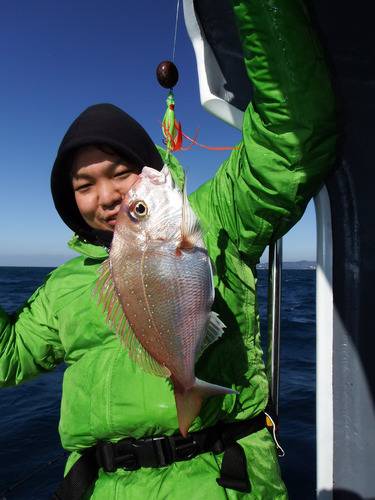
[{"x": 31, "y": 458}]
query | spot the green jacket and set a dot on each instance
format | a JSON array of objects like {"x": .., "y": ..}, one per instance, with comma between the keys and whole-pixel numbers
[{"x": 258, "y": 193}]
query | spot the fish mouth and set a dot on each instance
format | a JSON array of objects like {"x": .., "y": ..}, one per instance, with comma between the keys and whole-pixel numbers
[{"x": 128, "y": 212}]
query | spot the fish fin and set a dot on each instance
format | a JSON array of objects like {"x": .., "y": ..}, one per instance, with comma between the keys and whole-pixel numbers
[
  {"x": 189, "y": 403},
  {"x": 108, "y": 299},
  {"x": 191, "y": 231},
  {"x": 142, "y": 358},
  {"x": 215, "y": 329},
  {"x": 116, "y": 318},
  {"x": 104, "y": 275},
  {"x": 106, "y": 292}
]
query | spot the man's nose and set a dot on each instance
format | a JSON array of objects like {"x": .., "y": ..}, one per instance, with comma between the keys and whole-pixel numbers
[{"x": 109, "y": 195}]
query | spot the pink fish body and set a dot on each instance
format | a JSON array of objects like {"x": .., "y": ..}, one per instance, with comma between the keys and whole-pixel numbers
[{"x": 164, "y": 289}]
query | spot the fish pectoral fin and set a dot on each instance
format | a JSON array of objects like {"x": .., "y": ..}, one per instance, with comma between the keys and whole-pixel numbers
[
  {"x": 189, "y": 403},
  {"x": 214, "y": 330}
]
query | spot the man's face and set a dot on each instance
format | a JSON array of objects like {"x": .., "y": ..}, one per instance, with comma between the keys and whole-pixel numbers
[{"x": 100, "y": 181}]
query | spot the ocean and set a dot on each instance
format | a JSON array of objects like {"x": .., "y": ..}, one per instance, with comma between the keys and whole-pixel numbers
[{"x": 31, "y": 457}]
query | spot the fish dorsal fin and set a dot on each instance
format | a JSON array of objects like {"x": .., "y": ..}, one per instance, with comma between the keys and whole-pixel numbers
[
  {"x": 115, "y": 317},
  {"x": 191, "y": 231},
  {"x": 215, "y": 329}
]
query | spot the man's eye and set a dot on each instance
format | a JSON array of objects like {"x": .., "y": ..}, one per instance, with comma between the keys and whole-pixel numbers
[
  {"x": 122, "y": 173},
  {"x": 82, "y": 187}
]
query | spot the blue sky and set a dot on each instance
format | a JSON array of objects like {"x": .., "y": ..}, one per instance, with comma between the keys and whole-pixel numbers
[{"x": 56, "y": 59}]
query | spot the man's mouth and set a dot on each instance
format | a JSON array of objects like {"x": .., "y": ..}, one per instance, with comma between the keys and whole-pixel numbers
[{"x": 111, "y": 219}]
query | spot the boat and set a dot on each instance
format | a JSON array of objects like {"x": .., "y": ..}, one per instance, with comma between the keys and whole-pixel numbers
[{"x": 345, "y": 206}]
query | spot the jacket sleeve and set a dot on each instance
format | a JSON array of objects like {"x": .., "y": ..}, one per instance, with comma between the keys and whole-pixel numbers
[
  {"x": 289, "y": 131},
  {"x": 29, "y": 341}
]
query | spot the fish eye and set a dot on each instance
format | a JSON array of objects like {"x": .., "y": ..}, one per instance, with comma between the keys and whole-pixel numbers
[{"x": 140, "y": 209}]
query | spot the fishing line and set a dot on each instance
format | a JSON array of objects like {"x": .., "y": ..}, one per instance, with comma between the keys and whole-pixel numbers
[
  {"x": 167, "y": 75},
  {"x": 175, "y": 29}
]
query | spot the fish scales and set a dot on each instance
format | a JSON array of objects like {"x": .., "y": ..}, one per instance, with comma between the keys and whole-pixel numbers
[{"x": 179, "y": 289}]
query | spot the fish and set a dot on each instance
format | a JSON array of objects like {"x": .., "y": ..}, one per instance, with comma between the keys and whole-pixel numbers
[{"x": 157, "y": 288}]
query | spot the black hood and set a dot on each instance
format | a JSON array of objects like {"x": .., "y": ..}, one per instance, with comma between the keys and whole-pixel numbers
[{"x": 101, "y": 124}]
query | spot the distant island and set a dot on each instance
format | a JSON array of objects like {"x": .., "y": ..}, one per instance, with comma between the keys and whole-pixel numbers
[{"x": 300, "y": 264}]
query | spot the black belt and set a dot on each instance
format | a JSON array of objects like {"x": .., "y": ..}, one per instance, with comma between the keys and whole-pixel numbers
[{"x": 160, "y": 451}]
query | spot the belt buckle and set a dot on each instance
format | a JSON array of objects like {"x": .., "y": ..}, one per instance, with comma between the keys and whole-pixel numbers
[
  {"x": 126, "y": 458},
  {"x": 128, "y": 461},
  {"x": 183, "y": 448},
  {"x": 162, "y": 452}
]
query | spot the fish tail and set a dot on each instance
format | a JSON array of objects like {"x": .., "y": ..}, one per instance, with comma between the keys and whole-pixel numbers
[{"x": 189, "y": 403}]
